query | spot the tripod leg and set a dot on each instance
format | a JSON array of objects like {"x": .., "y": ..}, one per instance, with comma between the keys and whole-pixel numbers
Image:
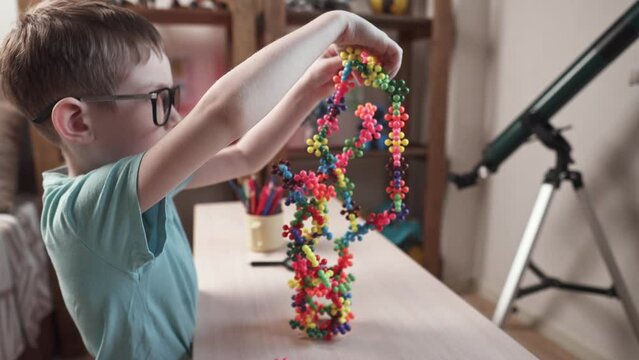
[
  {"x": 609, "y": 259},
  {"x": 523, "y": 253}
]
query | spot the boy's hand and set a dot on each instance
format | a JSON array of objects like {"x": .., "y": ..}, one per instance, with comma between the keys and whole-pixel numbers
[
  {"x": 361, "y": 33},
  {"x": 318, "y": 79}
]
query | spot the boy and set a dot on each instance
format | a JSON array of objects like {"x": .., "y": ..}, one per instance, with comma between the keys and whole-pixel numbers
[{"x": 86, "y": 72}]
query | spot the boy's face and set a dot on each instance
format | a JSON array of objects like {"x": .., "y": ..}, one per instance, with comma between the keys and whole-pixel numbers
[{"x": 127, "y": 128}]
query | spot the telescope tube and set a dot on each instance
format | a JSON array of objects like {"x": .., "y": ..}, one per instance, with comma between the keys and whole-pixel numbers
[{"x": 617, "y": 38}]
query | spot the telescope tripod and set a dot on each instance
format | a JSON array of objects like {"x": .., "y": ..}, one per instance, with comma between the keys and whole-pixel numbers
[{"x": 552, "y": 181}]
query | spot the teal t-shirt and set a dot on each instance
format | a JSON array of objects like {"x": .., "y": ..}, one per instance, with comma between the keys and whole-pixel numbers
[{"x": 127, "y": 278}]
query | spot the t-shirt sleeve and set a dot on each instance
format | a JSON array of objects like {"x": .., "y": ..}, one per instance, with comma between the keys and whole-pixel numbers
[{"x": 103, "y": 210}]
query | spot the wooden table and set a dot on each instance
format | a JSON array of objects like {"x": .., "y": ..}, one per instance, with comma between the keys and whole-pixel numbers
[{"x": 401, "y": 311}]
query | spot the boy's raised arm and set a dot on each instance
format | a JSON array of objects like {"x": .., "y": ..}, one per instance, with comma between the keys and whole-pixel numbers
[{"x": 242, "y": 97}]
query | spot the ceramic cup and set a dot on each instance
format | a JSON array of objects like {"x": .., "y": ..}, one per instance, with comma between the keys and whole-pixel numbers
[{"x": 265, "y": 232}]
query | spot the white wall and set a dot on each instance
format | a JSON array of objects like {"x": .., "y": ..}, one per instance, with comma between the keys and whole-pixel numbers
[
  {"x": 8, "y": 15},
  {"x": 465, "y": 141},
  {"x": 529, "y": 43}
]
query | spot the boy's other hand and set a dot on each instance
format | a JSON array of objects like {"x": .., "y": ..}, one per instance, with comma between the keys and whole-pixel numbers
[
  {"x": 318, "y": 79},
  {"x": 361, "y": 33}
]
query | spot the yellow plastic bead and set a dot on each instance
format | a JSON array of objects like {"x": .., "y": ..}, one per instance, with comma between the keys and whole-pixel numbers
[
  {"x": 306, "y": 234},
  {"x": 309, "y": 255},
  {"x": 293, "y": 284}
]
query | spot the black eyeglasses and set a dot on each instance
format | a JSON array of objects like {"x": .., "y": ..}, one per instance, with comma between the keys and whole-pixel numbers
[{"x": 162, "y": 100}]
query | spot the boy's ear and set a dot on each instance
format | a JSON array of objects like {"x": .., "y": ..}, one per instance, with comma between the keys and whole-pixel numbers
[{"x": 71, "y": 121}]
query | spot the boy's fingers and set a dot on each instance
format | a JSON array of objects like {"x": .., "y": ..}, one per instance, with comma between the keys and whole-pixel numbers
[
  {"x": 332, "y": 64},
  {"x": 362, "y": 33},
  {"x": 392, "y": 59},
  {"x": 331, "y": 51},
  {"x": 325, "y": 68}
]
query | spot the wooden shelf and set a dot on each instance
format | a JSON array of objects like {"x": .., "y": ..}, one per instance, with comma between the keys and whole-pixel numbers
[
  {"x": 412, "y": 151},
  {"x": 185, "y": 16},
  {"x": 416, "y": 26}
]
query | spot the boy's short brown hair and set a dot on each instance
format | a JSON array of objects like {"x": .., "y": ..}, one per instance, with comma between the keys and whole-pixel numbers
[{"x": 63, "y": 48}]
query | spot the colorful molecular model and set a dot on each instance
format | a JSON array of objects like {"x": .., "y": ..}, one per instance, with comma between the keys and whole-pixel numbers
[{"x": 315, "y": 281}]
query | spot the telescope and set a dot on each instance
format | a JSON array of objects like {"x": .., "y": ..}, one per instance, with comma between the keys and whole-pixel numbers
[{"x": 535, "y": 119}]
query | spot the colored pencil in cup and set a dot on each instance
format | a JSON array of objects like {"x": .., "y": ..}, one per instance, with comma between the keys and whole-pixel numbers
[
  {"x": 276, "y": 200},
  {"x": 253, "y": 206},
  {"x": 263, "y": 198},
  {"x": 238, "y": 191},
  {"x": 269, "y": 201}
]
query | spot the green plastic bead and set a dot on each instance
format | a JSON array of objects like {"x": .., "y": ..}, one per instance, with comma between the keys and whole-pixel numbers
[{"x": 310, "y": 302}]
